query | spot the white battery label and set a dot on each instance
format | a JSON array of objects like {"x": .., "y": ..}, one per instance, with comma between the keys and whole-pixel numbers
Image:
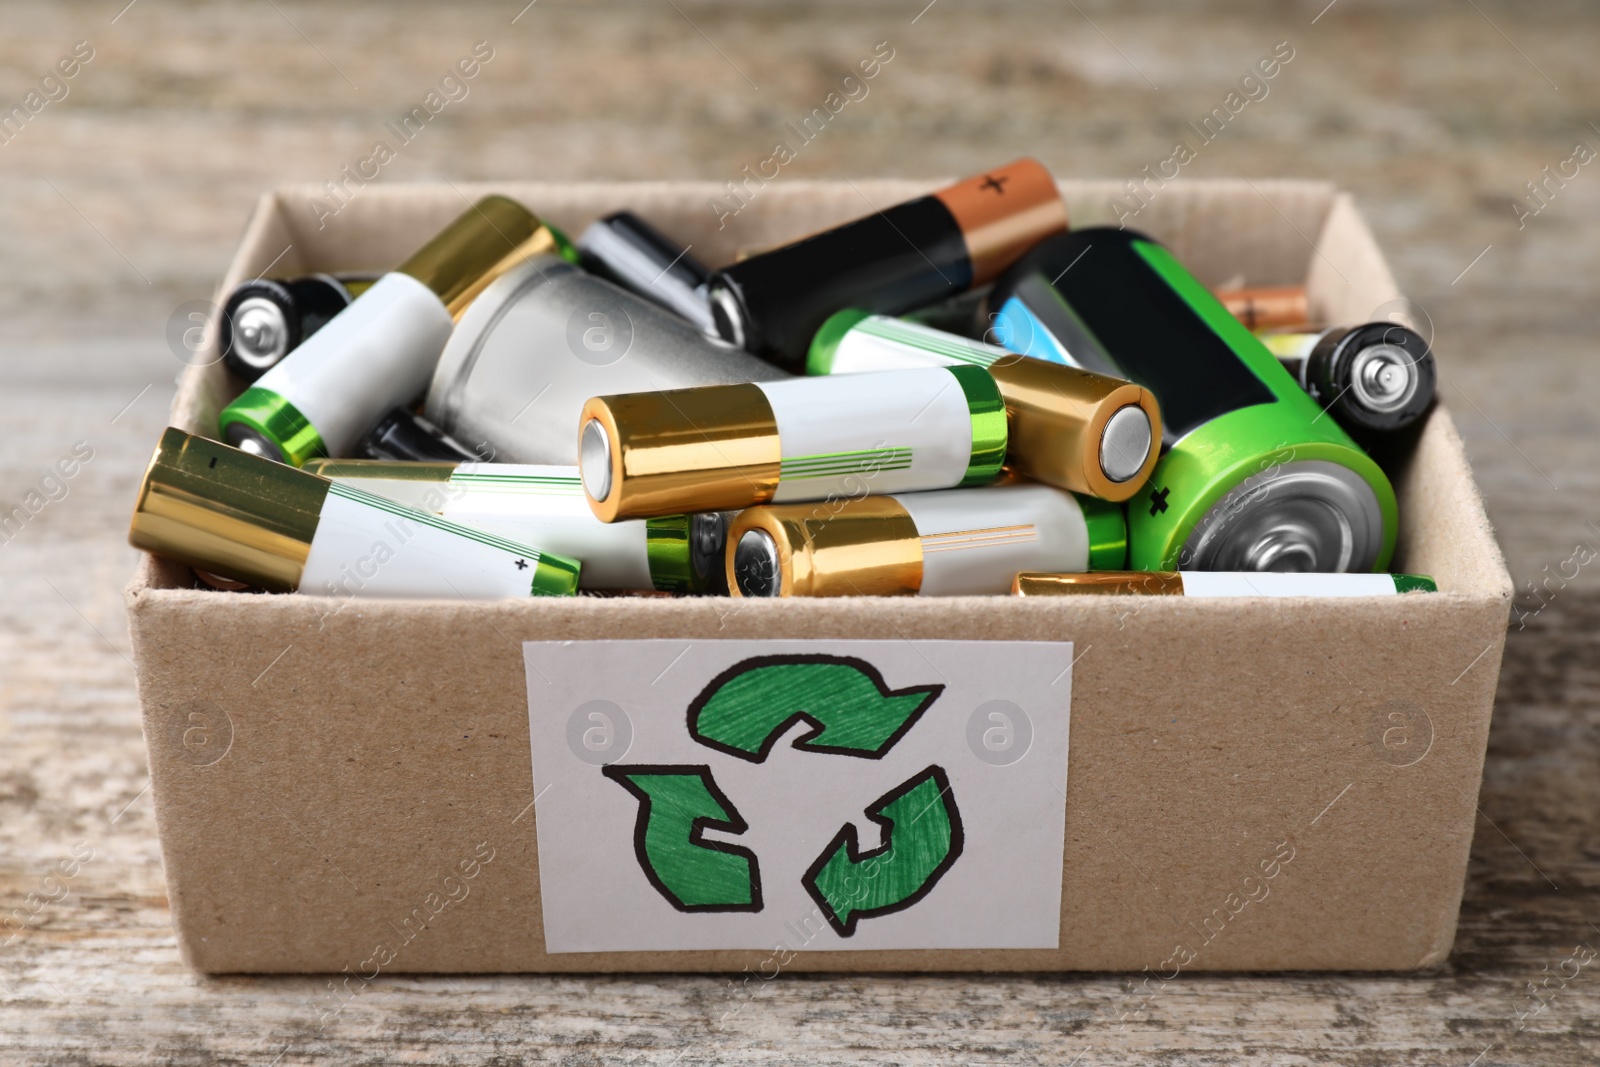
[
  {"x": 975, "y": 541},
  {"x": 375, "y": 354},
  {"x": 1269, "y": 583},
  {"x": 851, "y": 435},
  {"x": 880, "y": 342},
  {"x": 546, "y": 506},
  {"x": 368, "y": 546}
]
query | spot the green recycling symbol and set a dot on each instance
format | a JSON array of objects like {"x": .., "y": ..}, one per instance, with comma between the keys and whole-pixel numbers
[{"x": 743, "y": 712}]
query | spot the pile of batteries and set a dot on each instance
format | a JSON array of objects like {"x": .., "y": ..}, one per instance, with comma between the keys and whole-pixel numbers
[{"x": 957, "y": 395}]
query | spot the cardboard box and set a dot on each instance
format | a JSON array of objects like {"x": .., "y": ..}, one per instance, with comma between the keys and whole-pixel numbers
[{"x": 317, "y": 776}]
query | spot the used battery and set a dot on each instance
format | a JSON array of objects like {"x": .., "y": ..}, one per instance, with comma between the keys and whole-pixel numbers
[
  {"x": 403, "y": 435},
  {"x": 724, "y": 447},
  {"x": 546, "y": 337},
  {"x": 1266, "y": 307},
  {"x": 1069, "y": 427},
  {"x": 627, "y": 250},
  {"x": 247, "y": 519},
  {"x": 891, "y": 261},
  {"x": 545, "y": 505},
  {"x": 1252, "y": 477},
  {"x": 960, "y": 542},
  {"x": 264, "y": 320},
  {"x": 1219, "y": 583},
  {"x": 380, "y": 351},
  {"x": 1375, "y": 378}
]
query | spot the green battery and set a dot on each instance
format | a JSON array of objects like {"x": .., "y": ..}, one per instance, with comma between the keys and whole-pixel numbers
[{"x": 1253, "y": 477}]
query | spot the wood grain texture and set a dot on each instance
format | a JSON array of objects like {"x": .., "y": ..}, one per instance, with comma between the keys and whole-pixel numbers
[{"x": 124, "y": 200}]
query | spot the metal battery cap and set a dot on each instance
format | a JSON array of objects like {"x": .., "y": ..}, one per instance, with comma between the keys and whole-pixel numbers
[
  {"x": 1383, "y": 377},
  {"x": 757, "y": 566},
  {"x": 260, "y": 332},
  {"x": 1306, "y": 515},
  {"x": 594, "y": 460},
  {"x": 1125, "y": 443}
]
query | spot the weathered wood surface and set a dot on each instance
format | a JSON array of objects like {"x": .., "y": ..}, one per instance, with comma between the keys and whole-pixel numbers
[{"x": 124, "y": 200}]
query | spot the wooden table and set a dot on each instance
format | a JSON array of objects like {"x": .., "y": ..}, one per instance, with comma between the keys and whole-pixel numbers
[{"x": 123, "y": 200}]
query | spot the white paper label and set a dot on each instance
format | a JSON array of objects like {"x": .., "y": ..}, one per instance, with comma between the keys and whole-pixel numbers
[{"x": 810, "y": 795}]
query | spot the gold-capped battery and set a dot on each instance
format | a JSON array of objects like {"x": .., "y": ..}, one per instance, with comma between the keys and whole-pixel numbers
[
  {"x": 1100, "y": 583},
  {"x": 488, "y": 239},
  {"x": 642, "y": 454},
  {"x": 868, "y": 548},
  {"x": 220, "y": 509},
  {"x": 1068, "y": 427},
  {"x": 1079, "y": 430}
]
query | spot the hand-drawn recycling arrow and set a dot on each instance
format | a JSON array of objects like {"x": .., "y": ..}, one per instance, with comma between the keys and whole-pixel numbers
[
  {"x": 677, "y": 804},
  {"x": 745, "y": 709},
  {"x": 921, "y": 840}
]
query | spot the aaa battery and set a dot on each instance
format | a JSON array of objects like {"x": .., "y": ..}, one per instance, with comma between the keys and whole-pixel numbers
[
  {"x": 545, "y": 505},
  {"x": 381, "y": 350},
  {"x": 1219, "y": 583},
  {"x": 1087, "y": 432},
  {"x": 889, "y": 261},
  {"x": 241, "y": 517},
  {"x": 1265, "y": 307},
  {"x": 720, "y": 448},
  {"x": 960, "y": 542}
]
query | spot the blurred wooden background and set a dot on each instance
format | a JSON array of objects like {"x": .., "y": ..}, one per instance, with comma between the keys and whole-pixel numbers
[{"x": 122, "y": 200}]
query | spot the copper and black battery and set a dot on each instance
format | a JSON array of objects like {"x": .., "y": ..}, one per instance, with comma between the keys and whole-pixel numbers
[
  {"x": 1377, "y": 378},
  {"x": 264, "y": 319},
  {"x": 1267, "y": 307},
  {"x": 627, "y": 250},
  {"x": 891, "y": 261}
]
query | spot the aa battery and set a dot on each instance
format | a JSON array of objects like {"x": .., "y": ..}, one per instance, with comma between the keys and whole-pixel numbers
[
  {"x": 241, "y": 517},
  {"x": 1252, "y": 478},
  {"x": 1066, "y": 426},
  {"x": 1267, "y": 307},
  {"x": 380, "y": 351},
  {"x": 1219, "y": 583},
  {"x": 966, "y": 542},
  {"x": 627, "y": 250},
  {"x": 545, "y": 505},
  {"x": 888, "y": 262},
  {"x": 1376, "y": 378},
  {"x": 546, "y": 337},
  {"x": 720, "y": 448},
  {"x": 264, "y": 320},
  {"x": 402, "y": 435}
]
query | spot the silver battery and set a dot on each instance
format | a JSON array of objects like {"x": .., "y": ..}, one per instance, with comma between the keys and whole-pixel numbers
[{"x": 547, "y": 336}]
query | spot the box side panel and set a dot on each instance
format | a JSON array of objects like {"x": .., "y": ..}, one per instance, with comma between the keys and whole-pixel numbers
[{"x": 367, "y": 757}]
